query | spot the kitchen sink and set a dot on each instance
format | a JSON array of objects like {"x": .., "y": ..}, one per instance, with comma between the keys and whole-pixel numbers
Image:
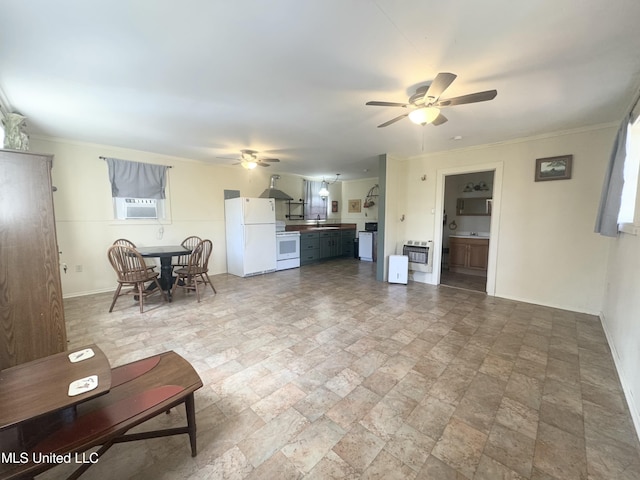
[{"x": 323, "y": 228}]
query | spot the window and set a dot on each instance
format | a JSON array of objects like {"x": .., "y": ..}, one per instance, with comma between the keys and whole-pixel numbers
[
  {"x": 138, "y": 189},
  {"x": 316, "y": 206},
  {"x": 629, "y": 199}
]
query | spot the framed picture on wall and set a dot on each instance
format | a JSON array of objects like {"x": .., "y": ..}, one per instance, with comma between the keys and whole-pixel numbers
[
  {"x": 334, "y": 206},
  {"x": 354, "y": 206},
  {"x": 553, "y": 168}
]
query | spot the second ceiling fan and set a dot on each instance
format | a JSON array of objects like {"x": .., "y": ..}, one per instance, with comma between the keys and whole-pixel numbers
[
  {"x": 249, "y": 159},
  {"x": 425, "y": 104}
]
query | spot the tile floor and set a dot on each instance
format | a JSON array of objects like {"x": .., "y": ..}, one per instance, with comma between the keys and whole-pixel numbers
[
  {"x": 461, "y": 280},
  {"x": 322, "y": 372}
]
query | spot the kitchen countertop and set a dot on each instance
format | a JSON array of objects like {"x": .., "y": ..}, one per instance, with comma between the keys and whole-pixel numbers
[
  {"x": 323, "y": 227},
  {"x": 480, "y": 237}
]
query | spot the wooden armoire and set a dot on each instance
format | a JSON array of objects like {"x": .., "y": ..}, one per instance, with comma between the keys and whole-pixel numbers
[{"x": 31, "y": 310}]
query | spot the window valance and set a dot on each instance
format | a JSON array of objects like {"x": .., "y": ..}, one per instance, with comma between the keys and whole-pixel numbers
[{"x": 136, "y": 179}]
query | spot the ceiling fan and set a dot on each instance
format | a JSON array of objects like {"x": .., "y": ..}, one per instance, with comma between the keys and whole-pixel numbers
[
  {"x": 249, "y": 159},
  {"x": 425, "y": 104}
]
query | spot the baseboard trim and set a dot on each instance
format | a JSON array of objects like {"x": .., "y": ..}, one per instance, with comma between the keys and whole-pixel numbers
[
  {"x": 628, "y": 393},
  {"x": 567, "y": 308},
  {"x": 91, "y": 292}
]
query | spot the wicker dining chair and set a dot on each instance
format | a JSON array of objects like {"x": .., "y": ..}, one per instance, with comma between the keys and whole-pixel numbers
[
  {"x": 196, "y": 271},
  {"x": 190, "y": 243},
  {"x": 132, "y": 272}
]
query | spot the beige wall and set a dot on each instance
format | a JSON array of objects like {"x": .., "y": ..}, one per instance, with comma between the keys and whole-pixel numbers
[
  {"x": 357, "y": 190},
  {"x": 620, "y": 315},
  {"x": 547, "y": 252}
]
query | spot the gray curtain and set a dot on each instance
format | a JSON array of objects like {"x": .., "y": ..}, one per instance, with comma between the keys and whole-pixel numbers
[
  {"x": 137, "y": 180},
  {"x": 607, "y": 219},
  {"x": 315, "y": 205}
]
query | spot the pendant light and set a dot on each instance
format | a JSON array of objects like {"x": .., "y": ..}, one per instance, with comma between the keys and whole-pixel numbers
[{"x": 324, "y": 187}]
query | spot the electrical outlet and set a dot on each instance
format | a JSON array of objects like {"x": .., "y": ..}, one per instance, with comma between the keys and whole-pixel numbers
[{"x": 78, "y": 268}]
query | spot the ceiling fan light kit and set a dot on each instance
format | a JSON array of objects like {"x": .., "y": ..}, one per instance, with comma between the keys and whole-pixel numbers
[
  {"x": 249, "y": 165},
  {"x": 249, "y": 159},
  {"x": 425, "y": 104},
  {"x": 422, "y": 116}
]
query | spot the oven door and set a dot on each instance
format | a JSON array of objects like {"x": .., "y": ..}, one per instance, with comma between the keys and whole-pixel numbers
[{"x": 287, "y": 247}]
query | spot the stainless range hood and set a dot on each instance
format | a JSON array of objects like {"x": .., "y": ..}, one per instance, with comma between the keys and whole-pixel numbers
[{"x": 273, "y": 192}]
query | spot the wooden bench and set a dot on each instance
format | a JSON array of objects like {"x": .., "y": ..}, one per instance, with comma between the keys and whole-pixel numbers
[{"x": 139, "y": 391}]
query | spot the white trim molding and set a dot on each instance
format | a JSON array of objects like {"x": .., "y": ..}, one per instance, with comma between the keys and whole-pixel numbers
[{"x": 628, "y": 392}]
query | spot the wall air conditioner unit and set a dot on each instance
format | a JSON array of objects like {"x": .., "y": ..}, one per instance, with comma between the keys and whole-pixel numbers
[{"x": 136, "y": 208}]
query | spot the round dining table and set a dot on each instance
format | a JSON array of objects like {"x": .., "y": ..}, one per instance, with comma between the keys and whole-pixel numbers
[{"x": 165, "y": 253}]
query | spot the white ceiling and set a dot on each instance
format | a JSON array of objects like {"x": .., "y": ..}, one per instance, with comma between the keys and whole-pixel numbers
[{"x": 203, "y": 79}]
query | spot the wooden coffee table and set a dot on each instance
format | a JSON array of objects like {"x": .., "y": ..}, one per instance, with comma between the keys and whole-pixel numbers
[{"x": 40, "y": 387}]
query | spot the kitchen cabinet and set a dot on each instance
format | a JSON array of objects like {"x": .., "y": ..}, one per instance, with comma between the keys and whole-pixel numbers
[
  {"x": 31, "y": 311},
  {"x": 325, "y": 244},
  {"x": 469, "y": 255},
  {"x": 330, "y": 244},
  {"x": 347, "y": 238},
  {"x": 309, "y": 247}
]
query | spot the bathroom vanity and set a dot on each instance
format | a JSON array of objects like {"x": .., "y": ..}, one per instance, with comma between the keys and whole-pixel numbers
[{"x": 469, "y": 254}]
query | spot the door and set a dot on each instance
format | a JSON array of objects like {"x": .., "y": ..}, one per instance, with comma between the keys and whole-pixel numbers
[
  {"x": 259, "y": 210},
  {"x": 478, "y": 253},
  {"x": 457, "y": 253},
  {"x": 452, "y": 185},
  {"x": 259, "y": 248},
  {"x": 31, "y": 309}
]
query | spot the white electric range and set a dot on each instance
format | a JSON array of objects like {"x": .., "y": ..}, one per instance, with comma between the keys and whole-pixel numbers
[{"x": 287, "y": 247}]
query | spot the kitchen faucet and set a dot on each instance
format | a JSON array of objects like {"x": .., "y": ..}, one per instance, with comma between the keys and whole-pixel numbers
[{"x": 318, "y": 220}]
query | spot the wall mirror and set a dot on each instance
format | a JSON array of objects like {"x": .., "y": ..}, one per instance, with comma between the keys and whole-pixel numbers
[{"x": 473, "y": 206}]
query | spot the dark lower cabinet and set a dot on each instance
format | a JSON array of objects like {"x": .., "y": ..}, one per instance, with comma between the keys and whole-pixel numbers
[
  {"x": 329, "y": 242},
  {"x": 309, "y": 247},
  {"x": 316, "y": 246},
  {"x": 347, "y": 239}
]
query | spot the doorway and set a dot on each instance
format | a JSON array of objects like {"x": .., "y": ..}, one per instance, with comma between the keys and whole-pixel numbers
[
  {"x": 466, "y": 230},
  {"x": 474, "y": 215}
]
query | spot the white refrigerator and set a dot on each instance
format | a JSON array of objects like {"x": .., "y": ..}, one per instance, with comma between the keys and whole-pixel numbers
[{"x": 251, "y": 235}]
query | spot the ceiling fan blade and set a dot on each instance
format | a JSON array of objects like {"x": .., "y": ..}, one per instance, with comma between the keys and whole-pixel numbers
[
  {"x": 386, "y": 104},
  {"x": 439, "y": 85},
  {"x": 471, "y": 98},
  {"x": 393, "y": 120},
  {"x": 263, "y": 164},
  {"x": 440, "y": 119},
  {"x": 228, "y": 158},
  {"x": 270, "y": 160}
]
